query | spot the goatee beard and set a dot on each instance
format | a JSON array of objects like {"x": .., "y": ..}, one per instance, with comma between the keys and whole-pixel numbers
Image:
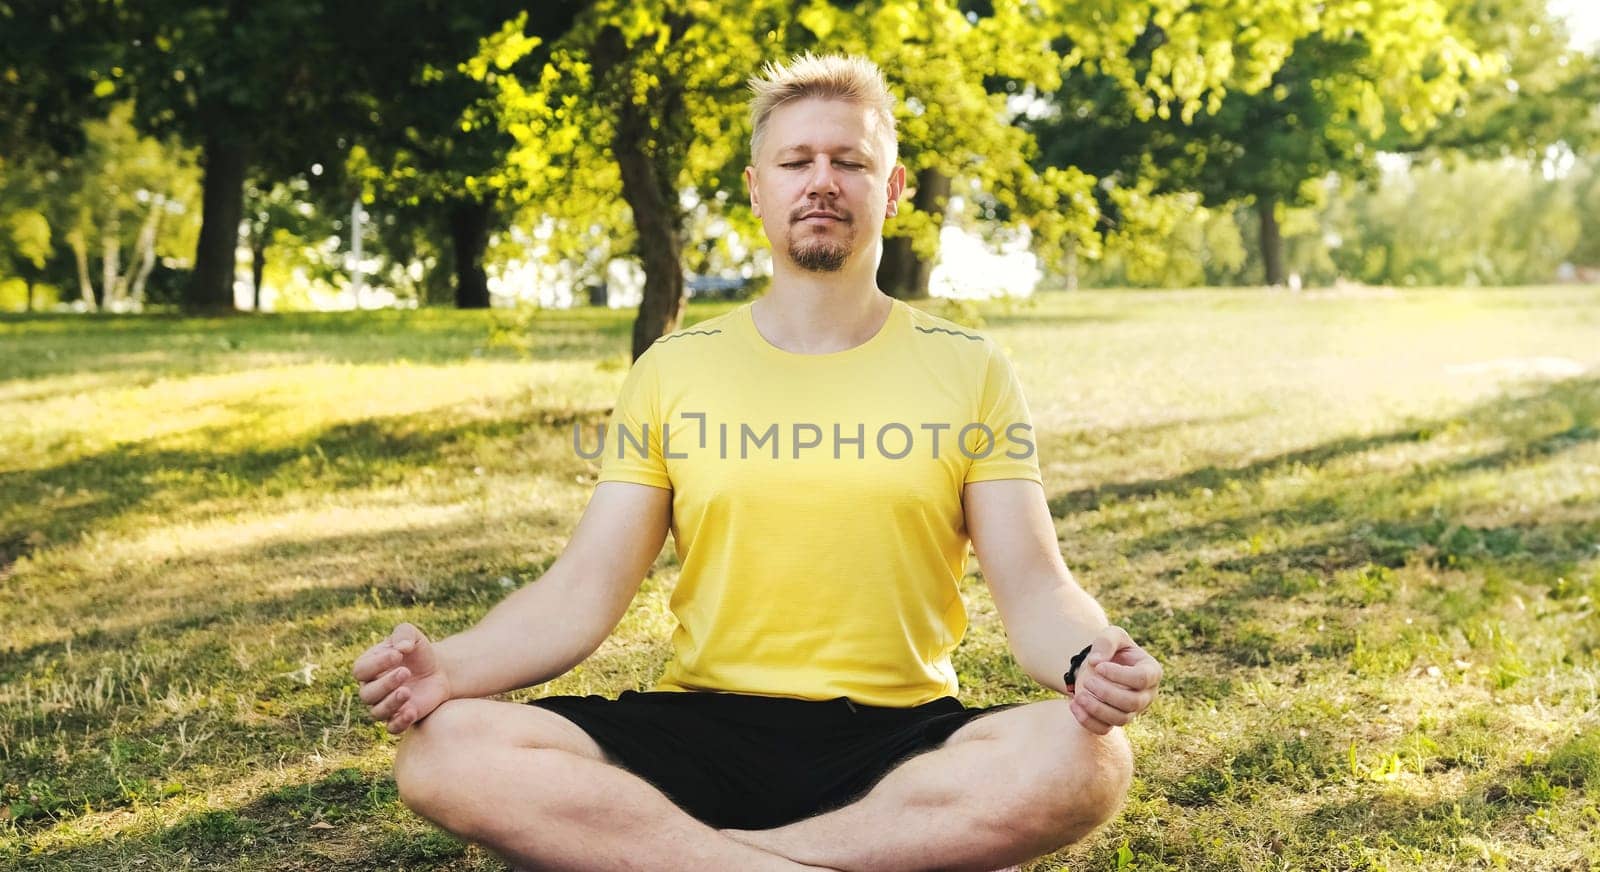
[{"x": 827, "y": 257}]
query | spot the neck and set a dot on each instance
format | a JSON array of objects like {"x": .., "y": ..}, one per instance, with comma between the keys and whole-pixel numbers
[{"x": 819, "y": 313}]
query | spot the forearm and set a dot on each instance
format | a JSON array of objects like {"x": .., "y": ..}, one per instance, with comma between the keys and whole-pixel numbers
[
  {"x": 532, "y": 636},
  {"x": 1048, "y": 625}
]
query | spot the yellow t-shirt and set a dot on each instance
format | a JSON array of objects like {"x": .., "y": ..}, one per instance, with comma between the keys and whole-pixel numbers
[{"x": 816, "y": 499}]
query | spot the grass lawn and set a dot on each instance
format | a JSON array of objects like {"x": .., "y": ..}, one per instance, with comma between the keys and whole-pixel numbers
[{"x": 1361, "y": 532}]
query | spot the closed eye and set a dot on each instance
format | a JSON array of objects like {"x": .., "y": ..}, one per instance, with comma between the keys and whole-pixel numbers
[{"x": 797, "y": 164}]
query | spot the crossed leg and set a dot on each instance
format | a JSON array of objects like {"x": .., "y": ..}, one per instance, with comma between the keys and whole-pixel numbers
[
  {"x": 1004, "y": 789},
  {"x": 532, "y": 787},
  {"x": 535, "y": 789}
]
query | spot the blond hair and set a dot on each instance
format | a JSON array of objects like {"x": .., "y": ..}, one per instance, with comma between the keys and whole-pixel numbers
[{"x": 848, "y": 78}]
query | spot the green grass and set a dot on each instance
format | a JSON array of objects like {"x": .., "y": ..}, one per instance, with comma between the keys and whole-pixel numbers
[{"x": 1368, "y": 562}]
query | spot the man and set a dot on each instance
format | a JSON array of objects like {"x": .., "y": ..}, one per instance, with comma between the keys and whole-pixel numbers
[{"x": 807, "y": 719}]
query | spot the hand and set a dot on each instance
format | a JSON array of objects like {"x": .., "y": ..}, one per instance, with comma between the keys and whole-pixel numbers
[
  {"x": 401, "y": 679},
  {"x": 1116, "y": 681}
]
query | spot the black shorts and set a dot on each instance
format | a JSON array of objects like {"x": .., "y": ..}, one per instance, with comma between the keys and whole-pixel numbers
[{"x": 756, "y": 762}]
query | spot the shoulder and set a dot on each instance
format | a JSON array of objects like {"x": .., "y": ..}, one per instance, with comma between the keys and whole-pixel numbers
[
  {"x": 695, "y": 340},
  {"x": 967, "y": 344}
]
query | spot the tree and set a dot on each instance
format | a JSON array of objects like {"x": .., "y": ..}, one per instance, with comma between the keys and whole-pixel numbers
[
  {"x": 51, "y": 60},
  {"x": 116, "y": 205},
  {"x": 964, "y": 71},
  {"x": 638, "y": 107},
  {"x": 259, "y": 88},
  {"x": 1546, "y": 93},
  {"x": 424, "y": 147},
  {"x": 1324, "y": 85},
  {"x": 643, "y": 107},
  {"x": 130, "y": 196}
]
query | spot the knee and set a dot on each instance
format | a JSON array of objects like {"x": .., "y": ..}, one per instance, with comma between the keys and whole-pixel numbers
[
  {"x": 1112, "y": 757},
  {"x": 431, "y": 755},
  {"x": 1085, "y": 787}
]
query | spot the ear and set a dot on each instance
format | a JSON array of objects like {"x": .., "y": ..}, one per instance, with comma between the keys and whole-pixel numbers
[
  {"x": 750, "y": 182},
  {"x": 897, "y": 186}
]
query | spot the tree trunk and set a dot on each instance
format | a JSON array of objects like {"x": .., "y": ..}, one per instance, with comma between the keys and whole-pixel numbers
[
  {"x": 469, "y": 231},
  {"x": 258, "y": 263},
  {"x": 210, "y": 288},
  {"x": 27, "y": 285},
  {"x": 1271, "y": 242},
  {"x": 901, "y": 272},
  {"x": 1072, "y": 263},
  {"x": 110, "y": 260},
  {"x": 655, "y": 219},
  {"x": 649, "y": 187},
  {"x": 80, "y": 257},
  {"x": 145, "y": 250}
]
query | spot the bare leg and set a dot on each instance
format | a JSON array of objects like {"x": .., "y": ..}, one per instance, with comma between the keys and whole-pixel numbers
[
  {"x": 535, "y": 789},
  {"x": 1004, "y": 789}
]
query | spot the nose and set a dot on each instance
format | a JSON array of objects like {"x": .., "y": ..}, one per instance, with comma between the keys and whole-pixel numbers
[{"x": 823, "y": 180}]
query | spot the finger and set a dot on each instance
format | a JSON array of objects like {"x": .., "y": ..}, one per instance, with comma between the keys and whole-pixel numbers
[
  {"x": 1131, "y": 654},
  {"x": 1118, "y": 697},
  {"x": 383, "y": 685},
  {"x": 1106, "y": 644},
  {"x": 377, "y": 660},
  {"x": 391, "y": 704},
  {"x": 1089, "y": 721},
  {"x": 402, "y": 720},
  {"x": 1100, "y": 710},
  {"x": 1143, "y": 676}
]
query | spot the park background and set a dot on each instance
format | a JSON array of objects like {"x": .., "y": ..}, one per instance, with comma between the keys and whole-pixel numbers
[{"x": 306, "y": 298}]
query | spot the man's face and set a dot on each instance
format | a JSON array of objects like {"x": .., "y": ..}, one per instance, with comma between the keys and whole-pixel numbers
[{"x": 822, "y": 185}]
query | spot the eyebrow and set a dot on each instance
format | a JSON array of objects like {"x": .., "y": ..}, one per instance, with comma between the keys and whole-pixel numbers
[{"x": 806, "y": 149}]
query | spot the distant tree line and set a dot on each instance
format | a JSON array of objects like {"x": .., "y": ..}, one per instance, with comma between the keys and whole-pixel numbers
[{"x": 146, "y": 143}]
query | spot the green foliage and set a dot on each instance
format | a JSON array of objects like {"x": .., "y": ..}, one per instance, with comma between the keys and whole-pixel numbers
[
  {"x": 271, "y": 76},
  {"x": 27, "y": 237},
  {"x": 1480, "y": 223},
  {"x": 52, "y": 57},
  {"x": 1168, "y": 240},
  {"x": 1431, "y": 223},
  {"x": 122, "y": 204},
  {"x": 939, "y": 62},
  {"x": 1546, "y": 91},
  {"x": 563, "y": 116},
  {"x": 1324, "y": 85},
  {"x": 14, "y": 296}
]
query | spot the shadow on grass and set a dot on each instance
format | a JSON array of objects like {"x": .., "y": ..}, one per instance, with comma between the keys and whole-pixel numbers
[
  {"x": 230, "y": 585},
  {"x": 131, "y": 348},
  {"x": 1364, "y": 538},
  {"x": 1500, "y": 415},
  {"x": 350, "y": 818},
  {"x": 1258, "y": 599},
  {"x": 98, "y": 722},
  {"x": 93, "y": 491}
]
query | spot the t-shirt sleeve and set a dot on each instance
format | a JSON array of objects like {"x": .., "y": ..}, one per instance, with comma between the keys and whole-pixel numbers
[
  {"x": 1013, "y": 452},
  {"x": 632, "y": 441}
]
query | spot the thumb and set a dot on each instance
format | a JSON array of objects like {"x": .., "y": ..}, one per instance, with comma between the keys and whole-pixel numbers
[
  {"x": 1105, "y": 646},
  {"x": 406, "y": 638}
]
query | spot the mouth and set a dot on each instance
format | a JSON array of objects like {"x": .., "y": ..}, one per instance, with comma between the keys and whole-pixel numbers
[{"x": 820, "y": 217}]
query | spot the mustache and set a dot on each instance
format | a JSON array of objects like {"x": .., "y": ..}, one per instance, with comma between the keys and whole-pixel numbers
[{"x": 799, "y": 214}]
